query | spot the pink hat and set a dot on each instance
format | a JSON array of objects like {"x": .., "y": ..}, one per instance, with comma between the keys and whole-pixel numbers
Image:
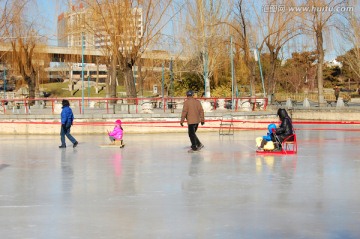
[{"x": 118, "y": 122}]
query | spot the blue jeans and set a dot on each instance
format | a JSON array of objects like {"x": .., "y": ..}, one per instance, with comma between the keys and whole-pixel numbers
[
  {"x": 195, "y": 142},
  {"x": 66, "y": 132}
]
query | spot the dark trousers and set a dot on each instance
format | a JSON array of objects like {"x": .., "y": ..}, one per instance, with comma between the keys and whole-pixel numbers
[
  {"x": 195, "y": 142},
  {"x": 66, "y": 132}
]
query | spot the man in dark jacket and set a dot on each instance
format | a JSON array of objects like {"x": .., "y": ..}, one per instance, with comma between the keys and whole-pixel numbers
[
  {"x": 193, "y": 112},
  {"x": 67, "y": 118},
  {"x": 285, "y": 128}
]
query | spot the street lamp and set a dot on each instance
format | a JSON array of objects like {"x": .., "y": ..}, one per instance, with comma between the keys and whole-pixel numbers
[
  {"x": 4, "y": 82},
  {"x": 162, "y": 84},
  {"x": 232, "y": 72},
  {"x": 82, "y": 72},
  {"x": 257, "y": 58}
]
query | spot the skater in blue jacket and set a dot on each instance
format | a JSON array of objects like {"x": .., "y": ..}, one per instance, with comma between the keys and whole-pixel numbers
[
  {"x": 67, "y": 118},
  {"x": 265, "y": 142}
]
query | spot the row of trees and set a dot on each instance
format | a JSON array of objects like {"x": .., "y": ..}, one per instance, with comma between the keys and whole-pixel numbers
[
  {"x": 20, "y": 26},
  {"x": 21, "y": 33},
  {"x": 217, "y": 37},
  {"x": 273, "y": 28}
]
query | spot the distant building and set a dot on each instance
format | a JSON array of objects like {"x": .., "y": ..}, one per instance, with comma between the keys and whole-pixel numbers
[
  {"x": 79, "y": 25},
  {"x": 71, "y": 28}
]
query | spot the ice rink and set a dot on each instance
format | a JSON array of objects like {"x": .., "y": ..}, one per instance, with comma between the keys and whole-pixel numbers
[{"x": 154, "y": 188}]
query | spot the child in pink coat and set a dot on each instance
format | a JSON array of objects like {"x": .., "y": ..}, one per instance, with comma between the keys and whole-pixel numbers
[{"x": 117, "y": 133}]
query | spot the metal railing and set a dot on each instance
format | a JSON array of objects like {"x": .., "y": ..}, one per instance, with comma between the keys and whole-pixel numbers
[{"x": 47, "y": 106}]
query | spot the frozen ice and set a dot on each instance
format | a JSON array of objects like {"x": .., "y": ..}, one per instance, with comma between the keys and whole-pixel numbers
[{"x": 154, "y": 188}]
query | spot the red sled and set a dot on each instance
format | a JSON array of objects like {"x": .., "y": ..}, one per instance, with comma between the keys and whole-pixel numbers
[{"x": 288, "y": 147}]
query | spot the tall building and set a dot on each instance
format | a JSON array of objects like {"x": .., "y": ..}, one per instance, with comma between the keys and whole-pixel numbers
[
  {"x": 71, "y": 28},
  {"x": 81, "y": 26}
]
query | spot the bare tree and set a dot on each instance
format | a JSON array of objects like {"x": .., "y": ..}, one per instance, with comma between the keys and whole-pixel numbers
[
  {"x": 207, "y": 39},
  {"x": 350, "y": 30},
  {"x": 23, "y": 34},
  {"x": 3, "y": 17},
  {"x": 317, "y": 21},
  {"x": 298, "y": 71},
  {"x": 241, "y": 28},
  {"x": 124, "y": 30},
  {"x": 277, "y": 26}
]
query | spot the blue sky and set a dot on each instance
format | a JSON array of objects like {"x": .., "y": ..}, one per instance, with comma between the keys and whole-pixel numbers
[
  {"x": 49, "y": 11},
  {"x": 47, "y": 8}
]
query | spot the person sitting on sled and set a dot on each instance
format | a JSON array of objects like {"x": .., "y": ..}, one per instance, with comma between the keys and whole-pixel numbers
[
  {"x": 266, "y": 142},
  {"x": 117, "y": 133},
  {"x": 285, "y": 128}
]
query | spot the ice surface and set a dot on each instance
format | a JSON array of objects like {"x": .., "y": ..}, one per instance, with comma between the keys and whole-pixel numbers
[{"x": 153, "y": 188}]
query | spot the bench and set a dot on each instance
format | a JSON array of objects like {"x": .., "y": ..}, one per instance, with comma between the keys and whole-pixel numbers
[
  {"x": 331, "y": 102},
  {"x": 293, "y": 102},
  {"x": 256, "y": 104},
  {"x": 129, "y": 107},
  {"x": 171, "y": 105},
  {"x": 280, "y": 102},
  {"x": 296, "y": 103},
  {"x": 18, "y": 105},
  {"x": 155, "y": 104},
  {"x": 98, "y": 104}
]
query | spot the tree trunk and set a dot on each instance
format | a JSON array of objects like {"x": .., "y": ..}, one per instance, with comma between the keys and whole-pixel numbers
[
  {"x": 97, "y": 76},
  {"x": 271, "y": 78},
  {"x": 252, "y": 78},
  {"x": 112, "y": 86},
  {"x": 30, "y": 80},
  {"x": 107, "y": 81},
  {"x": 250, "y": 65},
  {"x": 129, "y": 82},
  {"x": 141, "y": 79},
  {"x": 320, "y": 80}
]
